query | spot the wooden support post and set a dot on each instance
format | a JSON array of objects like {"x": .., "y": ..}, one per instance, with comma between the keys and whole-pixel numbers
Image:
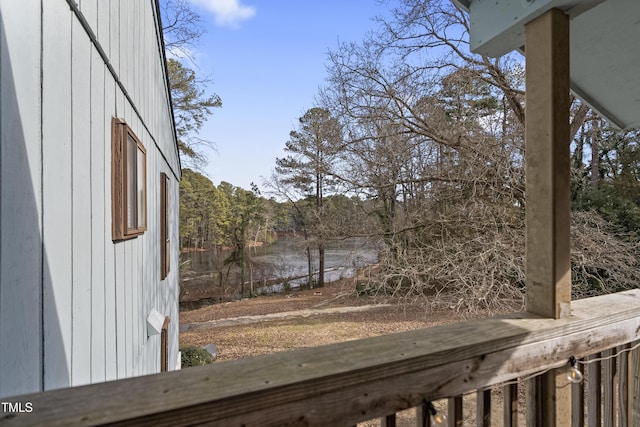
[
  {"x": 547, "y": 165},
  {"x": 555, "y": 402},
  {"x": 548, "y": 210},
  {"x": 633, "y": 383}
]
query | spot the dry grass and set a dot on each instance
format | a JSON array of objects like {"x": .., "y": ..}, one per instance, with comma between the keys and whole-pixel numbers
[
  {"x": 235, "y": 342},
  {"x": 246, "y": 340}
]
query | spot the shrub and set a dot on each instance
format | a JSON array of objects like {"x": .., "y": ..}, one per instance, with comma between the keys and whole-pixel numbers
[{"x": 195, "y": 356}]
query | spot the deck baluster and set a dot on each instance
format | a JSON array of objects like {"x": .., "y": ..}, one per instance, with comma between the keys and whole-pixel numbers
[
  {"x": 577, "y": 403},
  {"x": 633, "y": 382},
  {"x": 510, "y": 405},
  {"x": 454, "y": 411},
  {"x": 623, "y": 385},
  {"x": 423, "y": 418},
  {"x": 483, "y": 408},
  {"x": 608, "y": 387},
  {"x": 388, "y": 421},
  {"x": 594, "y": 391}
]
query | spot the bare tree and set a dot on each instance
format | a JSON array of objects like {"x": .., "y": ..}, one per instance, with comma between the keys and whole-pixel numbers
[
  {"x": 602, "y": 262},
  {"x": 435, "y": 134},
  {"x": 182, "y": 29}
]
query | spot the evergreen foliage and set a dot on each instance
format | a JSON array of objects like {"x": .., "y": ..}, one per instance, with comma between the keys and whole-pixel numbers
[
  {"x": 195, "y": 356},
  {"x": 312, "y": 155},
  {"x": 222, "y": 216}
]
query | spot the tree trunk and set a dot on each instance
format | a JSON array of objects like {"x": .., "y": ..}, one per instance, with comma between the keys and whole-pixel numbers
[
  {"x": 255, "y": 240},
  {"x": 320, "y": 265},
  {"x": 250, "y": 281},
  {"x": 595, "y": 155},
  {"x": 242, "y": 276},
  {"x": 309, "y": 268}
]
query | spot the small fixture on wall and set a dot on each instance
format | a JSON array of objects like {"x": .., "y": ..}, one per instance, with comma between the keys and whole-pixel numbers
[{"x": 155, "y": 320}]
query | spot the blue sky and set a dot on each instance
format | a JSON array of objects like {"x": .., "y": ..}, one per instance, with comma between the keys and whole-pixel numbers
[{"x": 267, "y": 59}]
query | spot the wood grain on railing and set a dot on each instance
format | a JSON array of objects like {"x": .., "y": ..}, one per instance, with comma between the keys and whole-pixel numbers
[{"x": 345, "y": 383}]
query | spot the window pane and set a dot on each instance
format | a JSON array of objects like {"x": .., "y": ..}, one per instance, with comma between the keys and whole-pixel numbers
[
  {"x": 141, "y": 179},
  {"x": 132, "y": 148}
]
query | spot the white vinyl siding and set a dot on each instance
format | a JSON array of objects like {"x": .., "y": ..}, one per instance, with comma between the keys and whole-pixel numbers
[{"x": 73, "y": 304}]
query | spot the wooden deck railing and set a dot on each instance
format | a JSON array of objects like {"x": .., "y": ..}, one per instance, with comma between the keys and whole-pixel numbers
[{"x": 346, "y": 383}]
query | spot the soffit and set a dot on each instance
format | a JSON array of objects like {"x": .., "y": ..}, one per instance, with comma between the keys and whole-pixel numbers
[{"x": 605, "y": 56}]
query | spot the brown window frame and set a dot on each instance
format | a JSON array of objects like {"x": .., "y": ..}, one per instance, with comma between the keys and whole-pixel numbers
[
  {"x": 122, "y": 136},
  {"x": 165, "y": 241},
  {"x": 164, "y": 345}
]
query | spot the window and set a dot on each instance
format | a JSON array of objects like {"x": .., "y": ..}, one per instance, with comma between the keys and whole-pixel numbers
[
  {"x": 165, "y": 251},
  {"x": 128, "y": 182}
]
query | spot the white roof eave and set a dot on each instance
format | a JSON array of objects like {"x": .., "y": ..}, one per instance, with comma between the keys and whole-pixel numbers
[{"x": 605, "y": 61}]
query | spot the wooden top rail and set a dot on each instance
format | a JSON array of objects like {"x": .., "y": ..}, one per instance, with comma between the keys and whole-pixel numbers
[{"x": 345, "y": 383}]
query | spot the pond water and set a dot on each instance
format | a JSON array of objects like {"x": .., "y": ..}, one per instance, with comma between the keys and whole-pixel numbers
[{"x": 286, "y": 259}]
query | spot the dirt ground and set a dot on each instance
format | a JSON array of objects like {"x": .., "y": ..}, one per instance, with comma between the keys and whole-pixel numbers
[
  {"x": 310, "y": 318},
  {"x": 300, "y": 319}
]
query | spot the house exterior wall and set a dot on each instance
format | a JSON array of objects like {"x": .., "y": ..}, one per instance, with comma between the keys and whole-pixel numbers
[{"x": 73, "y": 303}]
